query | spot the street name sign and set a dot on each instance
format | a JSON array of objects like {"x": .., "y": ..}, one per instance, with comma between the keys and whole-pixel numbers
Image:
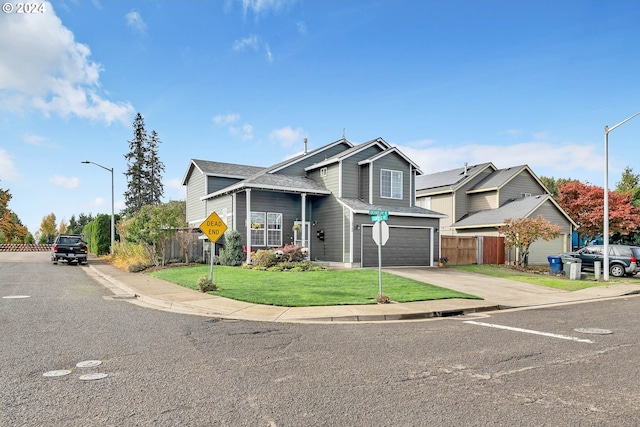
[
  {"x": 378, "y": 215},
  {"x": 213, "y": 227}
]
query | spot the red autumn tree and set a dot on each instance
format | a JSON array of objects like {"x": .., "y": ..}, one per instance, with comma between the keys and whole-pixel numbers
[
  {"x": 522, "y": 232},
  {"x": 585, "y": 205}
]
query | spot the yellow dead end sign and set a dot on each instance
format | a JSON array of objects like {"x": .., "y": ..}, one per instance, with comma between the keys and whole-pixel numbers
[{"x": 213, "y": 227}]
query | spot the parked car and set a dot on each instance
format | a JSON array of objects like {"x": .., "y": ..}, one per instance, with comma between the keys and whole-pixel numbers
[
  {"x": 70, "y": 248},
  {"x": 622, "y": 259},
  {"x": 636, "y": 253}
]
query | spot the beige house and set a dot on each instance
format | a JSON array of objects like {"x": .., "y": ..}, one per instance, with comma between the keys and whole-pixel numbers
[{"x": 477, "y": 199}]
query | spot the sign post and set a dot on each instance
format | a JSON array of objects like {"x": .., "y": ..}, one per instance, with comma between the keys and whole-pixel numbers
[
  {"x": 380, "y": 235},
  {"x": 213, "y": 227}
]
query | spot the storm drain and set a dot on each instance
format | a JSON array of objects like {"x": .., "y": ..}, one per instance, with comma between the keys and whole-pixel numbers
[{"x": 595, "y": 331}]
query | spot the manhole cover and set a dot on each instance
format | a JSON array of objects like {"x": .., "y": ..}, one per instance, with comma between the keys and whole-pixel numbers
[
  {"x": 89, "y": 363},
  {"x": 58, "y": 373},
  {"x": 595, "y": 331},
  {"x": 93, "y": 377},
  {"x": 16, "y": 296}
]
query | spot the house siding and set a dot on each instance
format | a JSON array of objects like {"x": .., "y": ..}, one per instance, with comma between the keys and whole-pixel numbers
[
  {"x": 549, "y": 211},
  {"x": 328, "y": 212},
  {"x": 363, "y": 182},
  {"x": 462, "y": 203},
  {"x": 332, "y": 181},
  {"x": 351, "y": 172},
  {"x": 396, "y": 163},
  {"x": 443, "y": 203},
  {"x": 195, "y": 208},
  {"x": 522, "y": 183},
  {"x": 215, "y": 183},
  {"x": 483, "y": 201}
]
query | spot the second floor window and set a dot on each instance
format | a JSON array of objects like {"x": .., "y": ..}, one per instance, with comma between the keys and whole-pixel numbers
[{"x": 390, "y": 184}]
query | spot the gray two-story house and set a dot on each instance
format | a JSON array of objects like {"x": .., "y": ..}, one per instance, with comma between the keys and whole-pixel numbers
[{"x": 321, "y": 200}]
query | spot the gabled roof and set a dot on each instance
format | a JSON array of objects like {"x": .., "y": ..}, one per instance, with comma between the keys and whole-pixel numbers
[
  {"x": 361, "y": 207},
  {"x": 299, "y": 157},
  {"x": 450, "y": 180},
  {"x": 274, "y": 182},
  {"x": 501, "y": 177},
  {"x": 381, "y": 143},
  {"x": 228, "y": 170},
  {"x": 386, "y": 153},
  {"x": 522, "y": 207}
]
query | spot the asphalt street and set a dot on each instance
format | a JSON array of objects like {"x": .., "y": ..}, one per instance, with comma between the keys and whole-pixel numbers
[{"x": 167, "y": 369}]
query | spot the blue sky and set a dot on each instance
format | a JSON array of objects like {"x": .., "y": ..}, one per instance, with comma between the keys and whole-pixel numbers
[{"x": 244, "y": 81}]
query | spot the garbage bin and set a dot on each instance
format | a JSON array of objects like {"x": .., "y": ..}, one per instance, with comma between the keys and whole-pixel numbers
[
  {"x": 572, "y": 267},
  {"x": 555, "y": 264}
]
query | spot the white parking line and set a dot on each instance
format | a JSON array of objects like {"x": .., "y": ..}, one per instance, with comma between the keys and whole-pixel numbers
[{"x": 529, "y": 331}]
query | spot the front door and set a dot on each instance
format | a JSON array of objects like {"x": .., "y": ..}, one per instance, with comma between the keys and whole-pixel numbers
[{"x": 297, "y": 236}]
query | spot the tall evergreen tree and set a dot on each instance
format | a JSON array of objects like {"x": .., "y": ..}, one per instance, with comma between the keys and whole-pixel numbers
[
  {"x": 155, "y": 170},
  {"x": 144, "y": 169}
]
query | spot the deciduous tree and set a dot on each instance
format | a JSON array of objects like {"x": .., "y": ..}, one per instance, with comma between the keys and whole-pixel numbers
[
  {"x": 585, "y": 205},
  {"x": 522, "y": 232},
  {"x": 48, "y": 228},
  {"x": 630, "y": 183}
]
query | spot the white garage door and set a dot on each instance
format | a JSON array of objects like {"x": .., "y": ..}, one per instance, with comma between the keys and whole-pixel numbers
[{"x": 541, "y": 249}]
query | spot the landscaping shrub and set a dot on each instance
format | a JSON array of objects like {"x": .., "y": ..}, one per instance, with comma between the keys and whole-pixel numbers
[
  {"x": 292, "y": 253},
  {"x": 205, "y": 285},
  {"x": 232, "y": 254},
  {"x": 383, "y": 299},
  {"x": 264, "y": 258}
]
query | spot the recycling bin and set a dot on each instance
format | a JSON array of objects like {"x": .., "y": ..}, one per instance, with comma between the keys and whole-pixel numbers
[{"x": 555, "y": 264}]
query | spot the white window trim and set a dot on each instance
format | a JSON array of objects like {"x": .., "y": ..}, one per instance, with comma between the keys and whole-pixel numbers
[
  {"x": 391, "y": 172},
  {"x": 272, "y": 229},
  {"x": 323, "y": 172}
]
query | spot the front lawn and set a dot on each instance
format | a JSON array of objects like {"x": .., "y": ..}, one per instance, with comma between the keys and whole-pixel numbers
[
  {"x": 308, "y": 288},
  {"x": 541, "y": 278}
]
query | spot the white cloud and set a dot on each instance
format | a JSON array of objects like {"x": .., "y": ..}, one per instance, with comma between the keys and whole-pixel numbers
[
  {"x": 570, "y": 160},
  {"x": 226, "y": 119},
  {"x": 251, "y": 42},
  {"x": 62, "y": 181},
  {"x": 268, "y": 52},
  {"x": 242, "y": 130},
  {"x": 32, "y": 139},
  {"x": 135, "y": 21},
  {"x": 287, "y": 136},
  {"x": 8, "y": 171},
  {"x": 98, "y": 201},
  {"x": 259, "y": 7},
  {"x": 42, "y": 67},
  {"x": 302, "y": 27}
]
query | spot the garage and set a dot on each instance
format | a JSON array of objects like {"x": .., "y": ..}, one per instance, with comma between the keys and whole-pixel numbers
[
  {"x": 407, "y": 246},
  {"x": 541, "y": 249}
]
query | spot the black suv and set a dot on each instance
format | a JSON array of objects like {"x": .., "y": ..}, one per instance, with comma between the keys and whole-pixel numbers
[{"x": 622, "y": 259}]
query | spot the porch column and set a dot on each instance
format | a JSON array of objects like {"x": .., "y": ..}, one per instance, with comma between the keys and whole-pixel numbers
[
  {"x": 248, "y": 221},
  {"x": 304, "y": 214}
]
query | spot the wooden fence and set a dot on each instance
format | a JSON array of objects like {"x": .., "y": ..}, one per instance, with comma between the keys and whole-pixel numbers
[{"x": 464, "y": 250}]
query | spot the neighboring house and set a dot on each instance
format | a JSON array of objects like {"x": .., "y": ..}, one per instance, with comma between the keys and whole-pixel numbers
[
  {"x": 321, "y": 200},
  {"x": 479, "y": 198}
]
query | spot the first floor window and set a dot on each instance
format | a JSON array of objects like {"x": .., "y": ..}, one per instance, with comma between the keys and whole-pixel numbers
[
  {"x": 274, "y": 229},
  {"x": 258, "y": 220},
  {"x": 266, "y": 229},
  {"x": 390, "y": 184}
]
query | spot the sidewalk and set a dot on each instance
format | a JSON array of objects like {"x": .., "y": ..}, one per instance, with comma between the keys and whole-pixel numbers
[{"x": 496, "y": 293}]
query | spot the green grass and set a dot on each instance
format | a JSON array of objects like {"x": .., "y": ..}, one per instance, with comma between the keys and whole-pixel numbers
[
  {"x": 541, "y": 279},
  {"x": 308, "y": 288}
]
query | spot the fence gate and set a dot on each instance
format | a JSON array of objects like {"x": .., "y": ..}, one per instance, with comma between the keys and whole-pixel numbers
[
  {"x": 492, "y": 250},
  {"x": 459, "y": 250}
]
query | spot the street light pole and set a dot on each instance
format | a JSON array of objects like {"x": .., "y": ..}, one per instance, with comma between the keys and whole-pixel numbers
[
  {"x": 605, "y": 231},
  {"x": 113, "y": 234}
]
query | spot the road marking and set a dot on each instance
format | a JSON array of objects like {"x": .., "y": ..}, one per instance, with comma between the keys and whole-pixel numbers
[{"x": 529, "y": 331}]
